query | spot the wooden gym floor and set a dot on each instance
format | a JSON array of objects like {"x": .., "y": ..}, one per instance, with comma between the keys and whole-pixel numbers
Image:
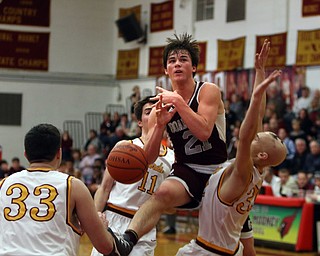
[{"x": 168, "y": 245}]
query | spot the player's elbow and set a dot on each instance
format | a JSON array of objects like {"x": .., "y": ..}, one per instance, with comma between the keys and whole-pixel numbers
[
  {"x": 104, "y": 249},
  {"x": 204, "y": 135}
]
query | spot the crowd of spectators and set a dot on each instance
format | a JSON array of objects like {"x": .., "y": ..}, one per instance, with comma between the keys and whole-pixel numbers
[{"x": 296, "y": 123}]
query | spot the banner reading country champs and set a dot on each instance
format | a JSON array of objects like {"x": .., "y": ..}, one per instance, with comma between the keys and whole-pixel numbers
[{"x": 276, "y": 224}]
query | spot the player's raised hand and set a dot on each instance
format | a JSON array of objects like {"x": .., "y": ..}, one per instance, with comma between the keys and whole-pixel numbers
[{"x": 261, "y": 58}]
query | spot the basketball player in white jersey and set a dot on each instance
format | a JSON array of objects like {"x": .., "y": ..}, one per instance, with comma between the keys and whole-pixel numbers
[
  {"x": 43, "y": 211},
  {"x": 232, "y": 190},
  {"x": 123, "y": 200}
]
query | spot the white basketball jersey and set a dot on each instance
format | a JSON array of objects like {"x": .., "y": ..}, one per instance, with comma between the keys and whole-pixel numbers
[
  {"x": 129, "y": 197},
  {"x": 220, "y": 223},
  {"x": 34, "y": 216}
]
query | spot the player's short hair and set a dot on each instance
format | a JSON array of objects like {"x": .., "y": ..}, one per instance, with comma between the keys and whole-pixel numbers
[
  {"x": 139, "y": 106},
  {"x": 42, "y": 143}
]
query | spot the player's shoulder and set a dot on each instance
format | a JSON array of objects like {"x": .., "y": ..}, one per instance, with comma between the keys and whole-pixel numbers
[{"x": 209, "y": 90}]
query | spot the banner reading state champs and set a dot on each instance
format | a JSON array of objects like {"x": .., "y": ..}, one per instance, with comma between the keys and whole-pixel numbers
[
  {"x": 24, "y": 50},
  {"x": 128, "y": 64},
  {"x": 308, "y": 49},
  {"x": 230, "y": 54}
]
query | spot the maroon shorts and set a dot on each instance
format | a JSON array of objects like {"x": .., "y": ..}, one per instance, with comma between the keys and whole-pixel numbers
[{"x": 195, "y": 181}]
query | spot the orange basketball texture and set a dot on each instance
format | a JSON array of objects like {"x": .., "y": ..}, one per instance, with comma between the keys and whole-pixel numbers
[{"x": 127, "y": 163}]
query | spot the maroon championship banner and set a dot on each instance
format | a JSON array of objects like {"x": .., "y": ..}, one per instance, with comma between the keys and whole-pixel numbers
[
  {"x": 25, "y": 12},
  {"x": 310, "y": 8},
  {"x": 155, "y": 61},
  {"x": 201, "y": 69},
  {"x": 161, "y": 16},
  {"x": 24, "y": 50},
  {"x": 277, "y": 54}
]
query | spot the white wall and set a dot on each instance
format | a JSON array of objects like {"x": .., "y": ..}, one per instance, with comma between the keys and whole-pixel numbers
[{"x": 84, "y": 40}]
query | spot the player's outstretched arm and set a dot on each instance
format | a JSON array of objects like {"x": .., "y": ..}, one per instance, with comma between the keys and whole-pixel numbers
[
  {"x": 249, "y": 126},
  {"x": 82, "y": 203},
  {"x": 102, "y": 194}
]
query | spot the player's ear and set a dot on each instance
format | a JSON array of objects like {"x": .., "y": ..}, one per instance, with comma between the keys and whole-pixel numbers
[
  {"x": 263, "y": 155},
  {"x": 194, "y": 68},
  {"x": 165, "y": 71},
  {"x": 59, "y": 153}
]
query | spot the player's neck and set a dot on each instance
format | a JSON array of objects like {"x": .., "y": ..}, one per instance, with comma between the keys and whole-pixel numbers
[
  {"x": 42, "y": 166},
  {"x": 186, "y": 89}
]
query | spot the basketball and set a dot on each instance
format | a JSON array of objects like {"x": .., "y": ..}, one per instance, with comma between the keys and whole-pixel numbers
[{"x": 127, "y": 163}]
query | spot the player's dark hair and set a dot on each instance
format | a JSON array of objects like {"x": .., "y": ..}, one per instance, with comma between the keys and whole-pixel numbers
[
  {"x": 182, "y": 42},
  {"x": 139, "y": 106},
  {"x": 42, "y": 143}
]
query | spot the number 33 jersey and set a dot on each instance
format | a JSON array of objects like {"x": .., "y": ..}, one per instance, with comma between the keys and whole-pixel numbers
[{"x": 34, "y": 214}]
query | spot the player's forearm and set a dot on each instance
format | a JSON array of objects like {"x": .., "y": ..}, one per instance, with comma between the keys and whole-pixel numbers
[
  {"x": 197, "y": 124},
  {"x": 249, "y": 125},
  {"x": 153, "y": 142},
  {"x": 100, "y": 200}
]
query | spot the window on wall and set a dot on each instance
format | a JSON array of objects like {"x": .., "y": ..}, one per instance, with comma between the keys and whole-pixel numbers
[
  {"x": 205, "y": 9},
  {"x": 10, "y": 109},
  {"x": 236, "y": 10}
]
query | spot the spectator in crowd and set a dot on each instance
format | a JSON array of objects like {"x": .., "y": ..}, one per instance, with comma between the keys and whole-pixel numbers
[
  {"x": 233, "y": 144},
  {"x": 86, "y": 164},
  {"x": 291, "y": 148},
  {"x": 98, "y": 170},
  {"x": 237, "y": 106},
  {"x": 15, "y": 166},
  {"x": 315, "y": 196},
  {"x": 273, "y": 181},
  {"x": 273, "y": 125},
  {"x": 302, "y": 102},
  {"x": 296, "y": 131},
  {"x": 231, "y": 120},
  {"x": 125, "y": 123},
  {"x": 66, "y": 145},
  {"x": 134, "y": 129},
  {"x": 106, "y": 129},
  {"x": 288, "y": 183},
  {"x": 314, "y": 109},
  {"x": 312, "y": 163},
  {"x": 303, "y": 183},
  {"x": 4, "y": 169},
  {"x": 135, "y": 97},
  {"x": 93, "y": 140},
  {"x": 63, "y": 167},
  {"x": 115, "y": 120},
  {"x": 118, "y": 135},
  {"x": 275, "y": 100},
  {"x": 269, "y": 114},
  {"x": 305, "y": 122},
  {"x": 299, "y": 159},
  {"x": 71, "y": 170},
  {"x": 76, "y": 158}
]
